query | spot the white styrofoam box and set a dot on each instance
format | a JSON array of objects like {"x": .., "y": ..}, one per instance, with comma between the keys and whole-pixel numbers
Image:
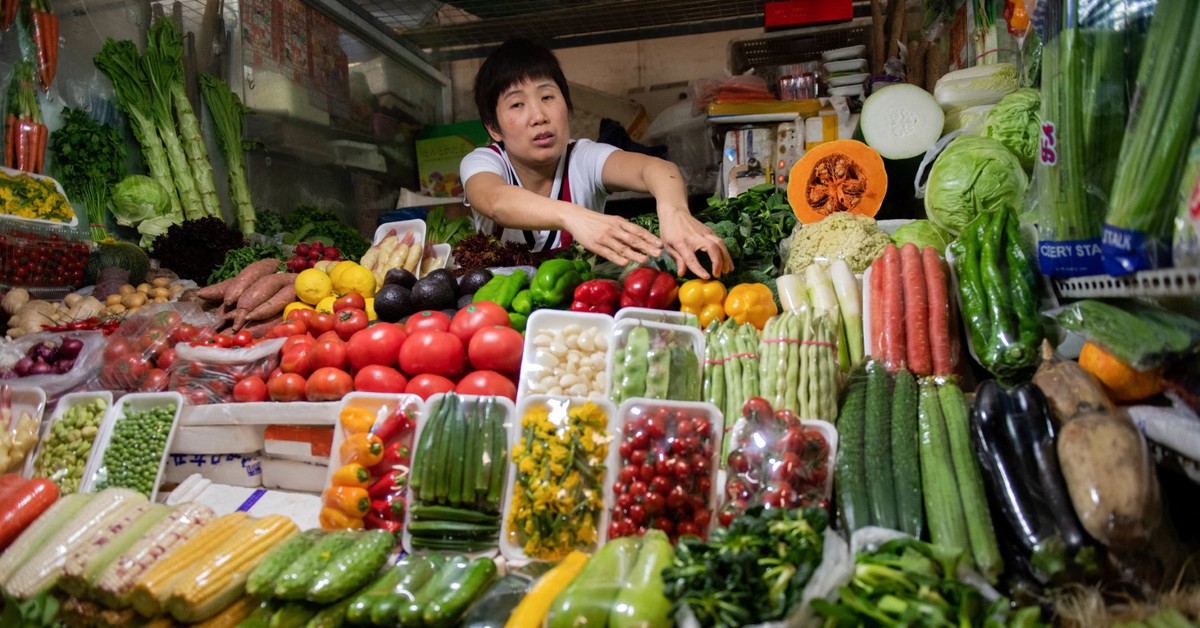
[
  {"x": 840, "y": 54},
  {"x": 311, "y": 450},
  {"x": 65, "y": 403},
  {"x": 559, "y": 406},
  {"x": 12, "y": 172},
  {"x": 272, "y": 92},
  {"x": 400, "y": 227},
  {"x": 849, "y": 65},
  {"x": 381, "y": 405},
  {"x": 293, "y": 475},
  {"x": 671, "y": 317},
  {"x": 302, "y": 508},
  {"x": 261, "y": 413},
  {"x": 848, "y": 80},
  {"x": 133, "y": 402},
  {"x": 232, "y": 469},
  {"x": 442, "y": 251},
  {"x": 206, "y": 439},
  {"x": 549, "y": 322},
  {"x": 620, "y": 336}
]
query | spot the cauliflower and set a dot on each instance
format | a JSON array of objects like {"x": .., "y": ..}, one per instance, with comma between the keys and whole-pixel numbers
[{"x": 851, "y": 237}]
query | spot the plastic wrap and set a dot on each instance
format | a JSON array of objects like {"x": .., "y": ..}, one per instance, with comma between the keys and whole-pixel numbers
[
  {"x": 732, "y": 364},
  {"x": 1137, "y": 333},
  {"x": 119, "y": 533},
  {"x": 561, "y": 446},
  {"x": 207, "y": 374},
  {"x": 777, "y": 461},
  {"x": 566, "y": 353},
  {"x": 798, "y": 364},
  {"x": 141, "y": 350},
  {"x": 133, "y": 443},
  {"x": 67, "y": 445},
  {"x": 21, "y": 410},
  {"x": 87, "y": 363},
  {"x": 655, "y": 361},
  {"x": 460, "y": 464},
  {"x": 350, "y": 570},
  {"x": 178, "y": 526},
  {"x": 666, "y": 458},
  {"x": 910, "y": 317},
  {"x": 1185, "y": 250}
]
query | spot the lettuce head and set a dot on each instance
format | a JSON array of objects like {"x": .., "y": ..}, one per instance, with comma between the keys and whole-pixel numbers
[
  {"x": 974, "y": 175},
  {"x": 923, "y": 233},
  {"x": 1016, "y": 122}
]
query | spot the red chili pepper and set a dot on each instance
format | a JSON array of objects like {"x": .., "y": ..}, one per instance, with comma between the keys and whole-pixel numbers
[
  {"x": 396, "y": 424},
  {"x": 390, "y": 507},
  {"x": 391, "y": 482},
  {"x": 395, "y": 455},
  {"x": 375, "y": 522}
]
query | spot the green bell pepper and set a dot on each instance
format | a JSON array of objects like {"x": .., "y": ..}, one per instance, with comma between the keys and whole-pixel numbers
[
  {"x": 501, "y": 289},
  {"x": 523, "y": 302},
  {"x": 517, "y": 321},
  {"x": 555, "y": 281}
]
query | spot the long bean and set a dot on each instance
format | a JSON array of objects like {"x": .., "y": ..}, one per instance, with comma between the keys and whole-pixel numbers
[
  {"x": 792, "y": 380},
  {"x": 766, "y": 359}
]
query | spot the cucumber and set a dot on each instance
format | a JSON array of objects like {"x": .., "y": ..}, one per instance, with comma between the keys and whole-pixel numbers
[
  {"x": 906, "y": 466},
  {"x": 422, "y": 467},
  {"x": 980, "y": 533},
  {"x": 943, "y": 506},
  {"x": 292, "y": 615},
  {"x": 359, "y": 610},
  {"x": 261, "y": 617},
  {"x": 877, "y": 437},
  {"x": 449, "y": 602},
  {"x": 458, "y": 459},
  {"x": 590, "y": 596},
  {"x": 499, "y": 457},
  {"x": 412, "y": 613},
  {"x": 414, "y": 572},
  {"x": 486, "y": 463},
  {"x": 447, "y": 513},
  {"x": 352, "y": 568},
  {"x": 472, "y": 463},
  {"x": 262, "y": 580},
  {"x": 293, "y": 582},
  {"x": 332, "y": 616},
  {"x": 849, "y": 473}
]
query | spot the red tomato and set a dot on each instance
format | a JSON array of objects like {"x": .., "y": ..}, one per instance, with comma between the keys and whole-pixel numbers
[
  {"x": 437, "y": 352},
  {"x": 321, "y": 323},
  {"x": 427, "y": 384},
  {"x": 184, "y": 333},
  {"x": 118, "y": 347},
  {"x": 223, "y": 341},
  {"x": 243, "y": 338},
  {"x": 298, "y": 359},
  {"x": 475, "y": 317},
  {"x": 349, "y": 300},
  {"x": 302, "y": 339},
  {"x": 250, "y": 389},
  {"x": 497, "y": 348},
  {"x": 287, "y": 387},
  {"x": 302, "y": 314},
  {"x": 378, "y": 344},
  {"x": 349, "y": 321},
  {"x": 156, "y": 381},
  {"x": 427, "y": 320},
  {"x": 329, "y": 353},
  {"x": 166, "y": 359},
  {"x": 380, "y": 379},
  {"x": 276, "y": 372},
  {"x": 328, "y": 335},
  {"x": 328, "y": 384},
  {"x": 486, "y": 383},
  {"x": 165, "y": 320}
]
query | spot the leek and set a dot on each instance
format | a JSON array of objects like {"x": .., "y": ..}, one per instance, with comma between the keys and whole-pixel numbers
[
  {"x": 791, "y": 292},
  {"x": 161, "y": 68},
  {"x": 227, "y": 112},
  {"x": 849, "y": 298}
]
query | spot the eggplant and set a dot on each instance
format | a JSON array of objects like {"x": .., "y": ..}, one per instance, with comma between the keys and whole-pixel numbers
[{"x": 1014, "y": 437}]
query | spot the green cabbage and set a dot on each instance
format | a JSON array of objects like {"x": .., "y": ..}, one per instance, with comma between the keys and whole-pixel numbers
[
  {"x": 975, "y": 174},
  {"x": 1016, "y": 122},
  {"x": 139, "y": 201},
  {"x": 923, "y": 233}
]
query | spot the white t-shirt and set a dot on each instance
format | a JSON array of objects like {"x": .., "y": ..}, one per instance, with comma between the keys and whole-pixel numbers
[{"x": 586, "y": 183}]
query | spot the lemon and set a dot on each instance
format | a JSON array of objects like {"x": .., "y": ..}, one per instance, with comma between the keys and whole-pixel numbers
[
  {"x": 313, "y": 285},
  {"x": 291, "y": 307},
  {"x": 338, "y": 269},
  {"x": 371, "y": 309},
  {"x": 326, "y": 304},
  {"x": 355, "y": 278}
]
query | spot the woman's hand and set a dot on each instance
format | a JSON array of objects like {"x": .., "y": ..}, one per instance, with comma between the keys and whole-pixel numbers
[
  {"x": 684, "y": 235},
  {"x": 612, "y": 237}
]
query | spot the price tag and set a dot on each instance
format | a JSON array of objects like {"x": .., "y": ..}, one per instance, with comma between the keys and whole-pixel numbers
[{"x": 1049, "y": 153}]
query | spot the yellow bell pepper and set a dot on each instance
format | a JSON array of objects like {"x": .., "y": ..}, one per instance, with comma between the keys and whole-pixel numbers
[
  {"x": 703, "y": 299},
  {"x": 751, "y": 303},
  {"x": 535, "y": 605}
]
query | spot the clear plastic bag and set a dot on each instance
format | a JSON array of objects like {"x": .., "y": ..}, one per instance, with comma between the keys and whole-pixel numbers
[
  {"x": 910, "y": 316},
  {"x": 656, "y": 361},
  {"x": 145, "y": 345},
  {"x": 798, "y": 364},
  {"x": 1143, "y": 335},
  {"x": 207, "y": 374},
  {"x": 1185, "y": 250},
  {"x": 85, "y": 366}
]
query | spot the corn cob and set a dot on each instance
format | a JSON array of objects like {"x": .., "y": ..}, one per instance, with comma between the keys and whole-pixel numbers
[
  {"x": 35, "y": 536},
  {"x": 43, "y": 567},
  {"x": 233, "y": 614},
  {"x": 220, "y": 579},
  {"x": 94, "y": 553},
  {"x": 154, "y": 587},
  {"x": 112, "y": 587}
]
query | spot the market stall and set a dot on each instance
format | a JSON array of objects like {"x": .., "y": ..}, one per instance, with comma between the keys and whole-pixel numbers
[{"x": 219, "y": 414}]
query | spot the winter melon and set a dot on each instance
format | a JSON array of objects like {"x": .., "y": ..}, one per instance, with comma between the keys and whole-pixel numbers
[{"x": 123, "y": 255}]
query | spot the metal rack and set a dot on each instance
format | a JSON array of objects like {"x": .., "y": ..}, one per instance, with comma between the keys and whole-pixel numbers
[{"x": 1167, "y": 282}]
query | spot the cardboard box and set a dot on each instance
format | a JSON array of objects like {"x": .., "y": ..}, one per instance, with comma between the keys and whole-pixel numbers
[{"x": 439, "y": 151}]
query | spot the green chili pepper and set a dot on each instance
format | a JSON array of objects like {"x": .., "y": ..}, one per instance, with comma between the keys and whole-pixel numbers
[{"x": 501, "y": 289}]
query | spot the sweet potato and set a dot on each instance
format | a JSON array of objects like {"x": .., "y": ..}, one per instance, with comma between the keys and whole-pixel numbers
[
  {"x": 215, "y": 292},
  {"x": 248, "y": 277},
  {"x": 264, "y": 289},
  {"x": 273, "y": 305},
  {"x": 260, "y": 328}
]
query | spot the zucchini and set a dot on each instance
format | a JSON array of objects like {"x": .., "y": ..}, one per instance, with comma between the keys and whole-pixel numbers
[
  {"x": 943, "y": 507},
  {"x": 906, "y": 467},
  {"x": 448, "y": 513},
  {"x": 294, "y": 582},
  {"x": 877, "y": 437},
  {"x": 450, "y": 601},
  {"x": 412, "y": 613},
  {"x": 352, "y": 568},
  {"x": 849, "y": 473},
  {"x": 980, "y": 533},
  {"x": 499, "y": 457},
  {"x": 415, "y": 572},
  {"x": 262, "y": 580},
  {"x": 359, "y": 610}
]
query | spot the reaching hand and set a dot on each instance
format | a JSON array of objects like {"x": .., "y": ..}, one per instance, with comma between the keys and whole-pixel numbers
[
  {"x": 684, "y": 235},
  {"x": 613, "y": 238}
]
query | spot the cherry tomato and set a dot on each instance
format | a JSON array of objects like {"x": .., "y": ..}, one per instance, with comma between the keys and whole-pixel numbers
[
  {"x": 637, "y": 489},
  {"x": 661, "y": 484},
  {"x": 250, "y": 389},
  {"x": 243, "y": 338},
  {"x": 654, "y": 503},
  {"x": 302, "y": 314},
  {"x": 427, "y": 320},
  {"x": 184, "y": 333},
  {"x": 637, "y": 512},
  {"x": 166, "y": 358},
  {"x": 118, "y": 347},
  {"x": 328, "y": 384},
  {"x": 757, "y": 407},
  {"x": 687, "y": 528},
  {"x": 156, "y": 381},
  {"x": 286, "y": 387}
]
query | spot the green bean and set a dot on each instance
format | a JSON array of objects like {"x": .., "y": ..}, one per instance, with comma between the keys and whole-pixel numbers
[
  {"x": 792, "y": 379},
  {"x": 766, "y": 353},
  {"x": 637, "y": 350}
]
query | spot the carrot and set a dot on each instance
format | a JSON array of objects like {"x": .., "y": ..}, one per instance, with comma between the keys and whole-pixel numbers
[
  {"x": 916, "y": 321},
  {"x": 939, "y": 312},
  {"x": 215, "y": 292},
  {"x": 39, "y": 153},
  {"x": 273, "y": 305},
  {"x": 39, "y": 45},
  {"x": 264, "y": 289},
  {"x": 249, "y": 275},
  {"x": 23, "y": 146},
  {"x": 877, "y": 308},
  {"x": 52, "y": 23},
  {"x": 893, "y": 310},
  {"x": 20, "y": 509}
]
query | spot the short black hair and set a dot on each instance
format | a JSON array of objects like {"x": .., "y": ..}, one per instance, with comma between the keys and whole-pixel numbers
[{"x": 514, "y": 61}]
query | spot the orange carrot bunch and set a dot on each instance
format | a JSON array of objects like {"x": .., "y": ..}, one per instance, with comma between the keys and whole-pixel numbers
[
  {"x": 43, "y": 24},
  {"x": 24, "y": 134}
]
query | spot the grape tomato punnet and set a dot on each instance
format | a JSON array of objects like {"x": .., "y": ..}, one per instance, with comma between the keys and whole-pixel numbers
[{"x": 569, "y": 360}]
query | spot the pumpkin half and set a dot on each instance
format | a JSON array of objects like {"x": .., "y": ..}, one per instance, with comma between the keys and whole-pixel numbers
[{"x": 838, "y": 176}]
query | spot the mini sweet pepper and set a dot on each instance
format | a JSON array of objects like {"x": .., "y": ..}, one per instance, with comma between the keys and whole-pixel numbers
[
  {"x": 649, "y": 287},
  {"x": 703, "y": 299},
  {"x": 554, "y": 282},
  {"x": 597, "y": 295},
  {"x": 751, "y": 303},
  {"x": 501, "y": 289}
]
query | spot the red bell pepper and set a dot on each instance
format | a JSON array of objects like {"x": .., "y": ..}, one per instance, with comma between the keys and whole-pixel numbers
[
  {"x": 396, "y": 424},
  {"x": 597, "y": 295},
  {"x": 390, "y": 507},
  {"x": 392, "y": 482},
  {"x": 375, "y": 522},
  {"x": 398, "y": 454},
  {"x": 649, "y": 287}
]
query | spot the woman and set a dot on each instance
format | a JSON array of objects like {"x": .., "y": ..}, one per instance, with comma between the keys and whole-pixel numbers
[{"x": 519, "y": 184}]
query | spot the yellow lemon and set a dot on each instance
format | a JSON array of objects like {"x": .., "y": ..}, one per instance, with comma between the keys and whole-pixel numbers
[
  {"x": 371, "y": 309},
  {"x": 313, "y": 285},
  {"x": 326, "y": 304},
  {"x": 338, "y": 269},
  {"x": 355, "y": 278},
  {"x": 291, "y": 307}
]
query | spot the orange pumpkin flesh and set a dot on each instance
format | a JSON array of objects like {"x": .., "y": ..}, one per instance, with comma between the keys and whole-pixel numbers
[
  {"x": 1121, "y": 381},
  {"x": 838, "y": 176}
]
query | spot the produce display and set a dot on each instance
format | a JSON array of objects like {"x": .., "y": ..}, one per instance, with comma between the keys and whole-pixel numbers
[
  {"x": 25, "y": 252},
  {"x": 66, "y": 448},
  {"x": 911, "y": 314}
]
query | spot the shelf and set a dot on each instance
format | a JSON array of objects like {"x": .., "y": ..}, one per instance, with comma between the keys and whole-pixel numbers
[{"x": 1168, "y": 282}]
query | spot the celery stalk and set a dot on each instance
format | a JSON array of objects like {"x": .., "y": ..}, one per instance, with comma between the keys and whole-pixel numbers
[
  {"x": 227, "y": 112},
  {"x": 161, "y": 70}
]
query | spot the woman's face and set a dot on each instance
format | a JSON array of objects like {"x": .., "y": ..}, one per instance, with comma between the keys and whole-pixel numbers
[{"x": 533, "y": 121}]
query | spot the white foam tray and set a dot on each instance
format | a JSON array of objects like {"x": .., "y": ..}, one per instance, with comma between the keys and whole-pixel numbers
[
  {"x": 65, "y": 403},
  {"x": 550, "y": 320},
  {"x": 135, "y": 402},
  {"x": 261, "y": 413},
  {"x": 620, "y": 330},
  {"x": 382, "y": 405}
]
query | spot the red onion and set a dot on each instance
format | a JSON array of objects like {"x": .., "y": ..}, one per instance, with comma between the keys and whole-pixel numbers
[
  {"x": 42, "y": 368},
  {"x": 8, "y": 374},
  {"x": 23, "y": 365},
  {"x": 70, "y": 348},
  {"x": 64, "y": 366},
  {"x": 45, "y": 351}
]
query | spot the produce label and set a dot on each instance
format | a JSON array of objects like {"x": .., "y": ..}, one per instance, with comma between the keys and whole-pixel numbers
[
  {"x": 1049, "y": 153},
  {"x": 1070, "y": 258},
  {"x": 1127, "y": 251}
]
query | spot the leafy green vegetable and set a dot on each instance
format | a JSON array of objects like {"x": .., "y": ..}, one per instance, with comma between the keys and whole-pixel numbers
[
  {"x": 238, "y": 259},
  {"x": 313, "y": 222},
  {"x": 1017, "y": 123},
  {"x": 269, "y": 222},
  {"x": 227, "y": 112},
  {"x": 194, "y": 248},
  {"x": 975, "y": 174},
  {"x": 139, "y": 201},
  {"x": 439, "y": 230},
  {"x": 923, "y": 233},
  {"x": 88, "y": 158}
]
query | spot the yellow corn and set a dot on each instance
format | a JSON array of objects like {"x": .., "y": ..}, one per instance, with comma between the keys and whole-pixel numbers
[
  {"x": 217, "y": 581},
  {"x": 233, "y": 614},
  {"x": 184, "y": 522},
  {"x": 153, "y": 589}
]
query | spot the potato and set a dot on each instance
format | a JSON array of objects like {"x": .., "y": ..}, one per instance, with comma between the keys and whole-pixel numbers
[
  {"x": 113, "y": 299},
  {"x": 161, "y": 299},
  {"x": 136, "y": 299},
  {"x": 126, "y": 289},
  {"x": 175, "y": 289},
  {"x": 159, "y": 292},
  {"x": 143, "y": 288},
  {"x": 117, "y": 308},
  {"x": 160, "y": 282}
]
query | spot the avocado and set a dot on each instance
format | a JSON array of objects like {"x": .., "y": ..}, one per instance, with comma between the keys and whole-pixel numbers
[
  {"x": 471, "y": 282},
  {"x": 445, "y": 278},
  {"x": 400, "y": 277},
  {"x": 393, "y": 302},
  {"x": 465, "y": 300},
  {"x": 432, "y": 293}
]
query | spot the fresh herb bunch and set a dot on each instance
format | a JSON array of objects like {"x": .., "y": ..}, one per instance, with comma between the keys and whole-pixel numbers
[
  {"x": 195, "y": 247},
  {"x": 440, "y": 230},
  {"x": 238, "y": 259},
  {"x": 309, "y": 222},
  {"x": 88, "y": 158},
  {"x": 753, "y": 571},
  {"x": 269, "y": 222}
]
